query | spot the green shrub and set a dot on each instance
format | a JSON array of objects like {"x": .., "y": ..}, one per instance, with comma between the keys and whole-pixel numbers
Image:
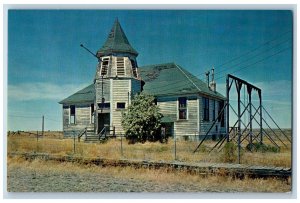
[
  {"x": 229, "y": 153},
  {"x": 142, "y": 121}
]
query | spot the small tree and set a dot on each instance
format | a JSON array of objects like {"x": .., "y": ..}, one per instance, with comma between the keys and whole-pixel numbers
[{"x": 143, "y": 120}]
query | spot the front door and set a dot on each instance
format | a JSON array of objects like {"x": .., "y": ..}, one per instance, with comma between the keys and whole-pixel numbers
[{"x": 103, "y": 119}]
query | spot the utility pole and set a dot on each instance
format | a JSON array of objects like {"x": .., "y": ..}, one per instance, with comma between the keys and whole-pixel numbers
[{"x": 43, "y": 126}]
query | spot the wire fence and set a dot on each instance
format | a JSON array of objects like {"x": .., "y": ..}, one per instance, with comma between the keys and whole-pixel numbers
[{"x": 119, "y": 148}]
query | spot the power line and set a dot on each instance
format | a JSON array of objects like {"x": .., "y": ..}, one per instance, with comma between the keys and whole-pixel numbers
[
  {"x": 257, "y": 61},
  {"x": 234, "y": 59},
  {"x": 32, "y": 113},
  {"x": 253, "y": 56},
  {"x": 53, "y": 120},
  {"x": 22, "y": 116},
  {"x": 252, "y": 50},
  {"x": 165, "y": 90}
]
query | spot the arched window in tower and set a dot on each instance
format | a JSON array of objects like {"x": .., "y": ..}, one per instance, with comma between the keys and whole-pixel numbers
[
  {"x": 104, "y": 68},
  {"x": 134, "y": 68},
  {"x": 120, "y": 66}
]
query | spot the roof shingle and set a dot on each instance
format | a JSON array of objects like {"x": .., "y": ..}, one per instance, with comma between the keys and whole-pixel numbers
[
  {"x": 172, "y": 79},
  {"x": 167, "y": 79}
]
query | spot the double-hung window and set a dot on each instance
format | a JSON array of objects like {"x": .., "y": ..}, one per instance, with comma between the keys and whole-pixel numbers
[
  {"x": 205, "y": 104},
  {"x": 72, "y": 114},
  {"x": 221, "y": 118},
  {"x": 182, "y": 108}
]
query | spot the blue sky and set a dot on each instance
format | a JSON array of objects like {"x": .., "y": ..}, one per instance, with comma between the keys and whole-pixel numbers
[{"x": 46, "y": 63}]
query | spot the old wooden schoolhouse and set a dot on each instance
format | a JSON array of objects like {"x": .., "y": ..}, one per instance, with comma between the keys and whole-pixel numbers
[{"x": 188, "y": 104}]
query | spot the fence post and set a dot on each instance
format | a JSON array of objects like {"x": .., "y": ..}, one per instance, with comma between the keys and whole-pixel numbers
[
  {"x": 43, "y": 126},
  {"x": 121, "y": 146},
  {"x": 37, "y": 140},
  {"x": 175, "y": 156},
  {"x": 74, "y": 141}
]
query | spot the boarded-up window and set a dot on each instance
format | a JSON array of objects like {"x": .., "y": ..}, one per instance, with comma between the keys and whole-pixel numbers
[
  {"x": 72, "y": 114},
  {"x": 182, "y": 108},
  {"x": 205, "y": 104},
  {"x": 104, "y": 67},
  {"x": 120, "y": 66},
  {"x": 134, "y": 68}
]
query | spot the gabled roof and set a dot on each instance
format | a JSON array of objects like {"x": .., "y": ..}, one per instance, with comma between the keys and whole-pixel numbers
[
  {"x": 171, "y": 79},
  {"x": 116, "y": 42},
  {"x": 85, "y": 95}
]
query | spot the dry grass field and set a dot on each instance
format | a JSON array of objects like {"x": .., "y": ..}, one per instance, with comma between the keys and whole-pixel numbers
[
  {"x": 51, "y": 176},
  {"x": 53, "y": 143}
]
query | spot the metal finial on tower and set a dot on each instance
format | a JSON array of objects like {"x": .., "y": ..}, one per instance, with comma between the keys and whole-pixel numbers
[{"x": 207, "y": 77}]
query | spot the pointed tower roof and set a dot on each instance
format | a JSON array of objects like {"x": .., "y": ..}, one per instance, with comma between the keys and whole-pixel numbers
[{"x": 116, "y": 42}]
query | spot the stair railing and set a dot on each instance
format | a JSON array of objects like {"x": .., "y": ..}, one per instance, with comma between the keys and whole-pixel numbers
[
  {"x": 81, "y": 133},
  {"x": 102, "y": 132}
]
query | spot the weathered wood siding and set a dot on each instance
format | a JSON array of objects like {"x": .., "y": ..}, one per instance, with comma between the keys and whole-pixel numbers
[
  {"x": 205, "y": 125},
  {"x": 106, "y": 90},
  {"x": 168, "y": 108},
  {"x": 182, "y": 128},
  {"x": 66, "y": 116},
  {"x": 120, "y": 89},
  {"x": 194, "y": 125},
  {"x": 82, "y": 119},
  {"x": 188, "y": 128}
]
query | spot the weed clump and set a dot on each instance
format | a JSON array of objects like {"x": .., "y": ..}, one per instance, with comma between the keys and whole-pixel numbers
[
  {"x": 261, "y": 147},
  {"x": 229, "y": 153}
]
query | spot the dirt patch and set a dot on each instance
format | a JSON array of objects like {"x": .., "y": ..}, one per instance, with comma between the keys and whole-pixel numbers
[{"x": 24, "y": 180}]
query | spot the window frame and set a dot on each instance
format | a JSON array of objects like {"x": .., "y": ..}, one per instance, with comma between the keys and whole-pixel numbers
[
  {"x": 182, "y": 109},
  {"x": 120, "y": 70},
  {"x": 102, "y": 73},
  {"x": 222, "y": 117},
  {"x": 205, "y": 108},
  {"x": 106, "y": 105},
  {"x": 134, "y": 68},
  {"x": 120, "y": 103},
  {"x": 214, "y": 110},
  {"x": 92, "y": 113},
  {"x": 72, "y": 115}
]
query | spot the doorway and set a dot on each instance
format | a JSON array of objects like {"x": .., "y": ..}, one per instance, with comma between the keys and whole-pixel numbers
[{"x": 103, "y": 120}]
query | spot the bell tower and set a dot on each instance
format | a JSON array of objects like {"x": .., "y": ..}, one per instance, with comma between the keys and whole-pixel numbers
[{"x": 117, "y": 79}]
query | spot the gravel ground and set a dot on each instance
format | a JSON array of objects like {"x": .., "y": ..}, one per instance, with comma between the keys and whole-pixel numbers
[
  {"x": 40, "y": 176},
  {"x": 28, "y": 180}
]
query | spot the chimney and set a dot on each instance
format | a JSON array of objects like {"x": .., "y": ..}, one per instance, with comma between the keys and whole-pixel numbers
[
  {"x": 213, "y": 85},
  {"x": 207, "y": 78}
]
